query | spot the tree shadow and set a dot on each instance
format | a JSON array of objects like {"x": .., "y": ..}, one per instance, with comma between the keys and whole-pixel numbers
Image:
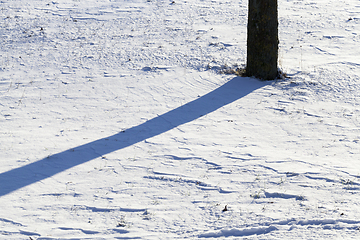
[{"x": 23, "y": 176}]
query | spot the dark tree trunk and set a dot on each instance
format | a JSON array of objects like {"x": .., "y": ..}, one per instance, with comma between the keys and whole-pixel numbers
[{"x": 262, "y": 39}]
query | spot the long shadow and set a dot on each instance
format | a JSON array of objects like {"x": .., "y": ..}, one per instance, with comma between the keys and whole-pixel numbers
[{"x": 229, "y": 92}]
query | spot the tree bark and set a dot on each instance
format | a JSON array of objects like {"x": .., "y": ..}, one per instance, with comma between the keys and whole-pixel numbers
[{"x": 262, "y": 39}]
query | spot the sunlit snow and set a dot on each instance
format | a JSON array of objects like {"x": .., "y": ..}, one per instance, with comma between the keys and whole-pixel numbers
[{"x": 117, "y": 123}]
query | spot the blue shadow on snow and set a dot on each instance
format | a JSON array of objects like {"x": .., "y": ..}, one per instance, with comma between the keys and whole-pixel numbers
[{"x": 229, "y": 92}]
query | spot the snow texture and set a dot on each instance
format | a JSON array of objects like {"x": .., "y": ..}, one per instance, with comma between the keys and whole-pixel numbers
[{"x": 116, "y": 122}]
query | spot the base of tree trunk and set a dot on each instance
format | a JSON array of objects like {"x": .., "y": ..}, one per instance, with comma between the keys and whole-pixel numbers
[{"x": 262, "y": 40}]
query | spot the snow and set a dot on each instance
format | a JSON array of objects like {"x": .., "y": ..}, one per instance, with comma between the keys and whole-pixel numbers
[{"x": 117, "y": 124}]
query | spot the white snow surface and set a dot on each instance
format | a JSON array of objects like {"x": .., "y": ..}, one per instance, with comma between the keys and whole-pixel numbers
[{"x": 116, "y": 122}]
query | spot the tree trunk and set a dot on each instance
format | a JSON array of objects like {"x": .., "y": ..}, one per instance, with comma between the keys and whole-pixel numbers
[{"x": 262, "y": 39}]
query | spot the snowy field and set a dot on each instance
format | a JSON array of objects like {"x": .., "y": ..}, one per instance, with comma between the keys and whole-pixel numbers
[{"x": 116, "y": 122}]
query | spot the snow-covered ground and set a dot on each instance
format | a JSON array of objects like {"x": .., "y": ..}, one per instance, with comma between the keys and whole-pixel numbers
[{"x": 115, "y": 122}]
